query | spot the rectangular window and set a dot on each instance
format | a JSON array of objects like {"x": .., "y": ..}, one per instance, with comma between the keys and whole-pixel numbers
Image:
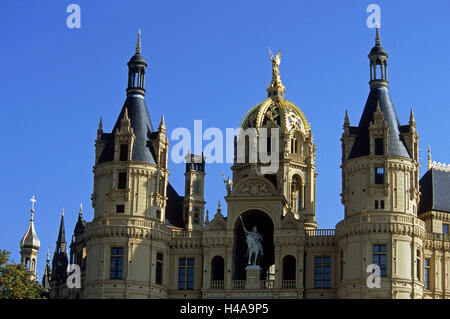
[
  {"x": 322, "y": 272},
  {"x": 445, "y": 229},
  {"x": 379, "y": 146},
  {"x": 379, "y": 258},
  {"x": 122, "y": 183},
  {"x": 159, "y": 268},
  {"x": 382, "y": 204},
  {"x": 426, "y": 274},
  {"x": 120, "y": 209},
  {"x": 186, "y": 273},
  {"x": 116, "y": 263},
  {"x": 123, "y": 152},
  {"x": 376, "y": 204},
  {"x": 379, "y": 175},
  {"x": 342, "y": 266}
]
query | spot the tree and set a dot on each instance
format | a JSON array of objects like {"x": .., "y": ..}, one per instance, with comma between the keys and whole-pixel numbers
[{"x": 16, "y": 282}]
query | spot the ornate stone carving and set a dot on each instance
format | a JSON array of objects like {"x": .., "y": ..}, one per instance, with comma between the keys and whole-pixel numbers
[{"x": 254, "y": 188}]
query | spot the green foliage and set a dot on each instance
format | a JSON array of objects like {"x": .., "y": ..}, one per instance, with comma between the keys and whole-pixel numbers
[{"x": 15, "y": 282}]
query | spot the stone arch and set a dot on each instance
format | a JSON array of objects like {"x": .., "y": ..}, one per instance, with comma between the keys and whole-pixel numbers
[
  {"x": 298, "y": 141},
  {"x": 265, "y": 225}
]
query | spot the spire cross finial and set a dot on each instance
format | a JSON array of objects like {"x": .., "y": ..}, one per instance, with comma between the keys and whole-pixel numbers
[
  {"x": 32, "y": 200},
  {"x": 138, "y": 45}
]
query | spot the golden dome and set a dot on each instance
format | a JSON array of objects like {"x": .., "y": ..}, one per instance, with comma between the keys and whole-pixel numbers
[{"x": 276, "y": 113}]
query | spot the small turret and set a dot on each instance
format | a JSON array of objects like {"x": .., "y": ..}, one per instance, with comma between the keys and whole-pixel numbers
[
  {"x": 378, "y": 57},
  {"x": 194, "y": 204},
  {"x": 30, "y": 244}
]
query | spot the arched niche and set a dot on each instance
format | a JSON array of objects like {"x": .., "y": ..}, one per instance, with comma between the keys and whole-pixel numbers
[
  {"x": 217, "y": 268},
  {"x": 289, "y": 266},
  {"x": 265, "y": 226}
]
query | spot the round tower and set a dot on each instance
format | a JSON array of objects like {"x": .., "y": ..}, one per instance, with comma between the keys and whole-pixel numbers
[
  {"x": 380, "y": 193},
  {"x": 129, "y": 199}
]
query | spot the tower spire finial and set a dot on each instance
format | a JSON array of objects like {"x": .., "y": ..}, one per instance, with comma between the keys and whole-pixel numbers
[
  {"x": 138, "y": 44},
  {"x": 32, "y": 200},
  {"x": 377, "y": 36},
  {"x": 276, "y": 88}
]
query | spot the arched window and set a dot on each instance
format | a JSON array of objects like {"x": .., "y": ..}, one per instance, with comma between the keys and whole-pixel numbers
[
  {"x": 217, "y": 268},
  {"x": 297, "y": 144},
  {"x": 293, "y": 145},
  {"x": 297, "y": 196},
  {"x": 289, "y": 266},
  {"x": 32, "y": 265}
]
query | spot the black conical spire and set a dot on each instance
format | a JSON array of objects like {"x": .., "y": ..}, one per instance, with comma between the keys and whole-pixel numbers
[
  {"x": 379, "y": 99},
  {"x": 62, "y": 233},
  {"x": 60, "y": 260},
  {"x": 138, "y": 114}
]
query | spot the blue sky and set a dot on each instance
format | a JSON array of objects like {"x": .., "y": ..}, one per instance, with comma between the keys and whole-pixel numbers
[{"x": 207, "y": 60}]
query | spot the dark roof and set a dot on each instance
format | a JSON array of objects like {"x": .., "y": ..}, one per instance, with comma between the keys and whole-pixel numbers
[
  {"x": 174, "y": 207},
  {"x": 137, "y": 58},
  {"x": 396, "y": 147},
  {"x": 378, "y": 49},
  {"x": 142, "y": 128},
  {"x": 80, "y": 226},
  {"x": 62, "y": 232},
  {"x": 435, "y": 191}
]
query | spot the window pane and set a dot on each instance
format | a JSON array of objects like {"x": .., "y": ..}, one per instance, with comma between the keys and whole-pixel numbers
[{"x": 318, "y": 260}]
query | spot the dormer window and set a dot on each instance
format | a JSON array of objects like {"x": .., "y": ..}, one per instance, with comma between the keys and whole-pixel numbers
[
  {"x": 123, "y": 152},
  {"x": 379, "y": 146}
]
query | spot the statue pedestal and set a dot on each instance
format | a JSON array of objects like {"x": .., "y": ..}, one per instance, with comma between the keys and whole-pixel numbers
[{"x": 253, "y": 275}]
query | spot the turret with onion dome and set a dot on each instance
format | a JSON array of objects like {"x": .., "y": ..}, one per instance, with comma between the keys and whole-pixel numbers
[{"x": 30, "y": 244}]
